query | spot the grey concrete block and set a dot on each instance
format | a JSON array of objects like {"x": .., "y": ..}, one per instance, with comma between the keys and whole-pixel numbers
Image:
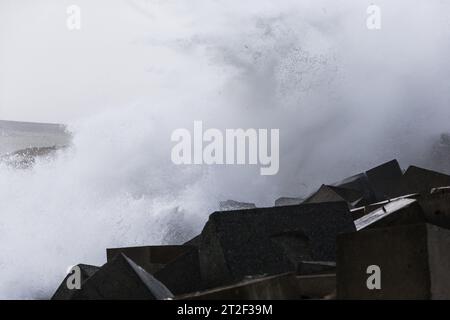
[
  {"x": 360, "y": 183},
  {"x": 436, "y": 207},
  {"x": 235, "y": 244},
  {"x": 194, "y": 242},
  {"x": 63, "y": 292},
  {"x": 384, "y": 179},
  {"x": 397, "y": 212},
  {"x": 151, "y": 258},
  {"x": 121, "y": 279},
  {"x": 335, "y": 194},
  {"x": 182, "y": 275},
  {"x": 286, "y": 286},
  {"x": 277, "y": 287},
  {"x": 413, "y": 259},
  {"x": 316, "y": 267},
  {"x": 420, "y": 180}
]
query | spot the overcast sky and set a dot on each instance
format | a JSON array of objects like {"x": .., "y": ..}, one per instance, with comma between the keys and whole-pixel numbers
[{"x": 49, "y": 73}]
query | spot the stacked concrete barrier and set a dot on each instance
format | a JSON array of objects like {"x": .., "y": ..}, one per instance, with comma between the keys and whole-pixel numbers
[{"x": 380, "y": 234}]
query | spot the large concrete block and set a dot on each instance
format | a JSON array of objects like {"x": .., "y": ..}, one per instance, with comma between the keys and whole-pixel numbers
[
  {"x": 182, "y": 275},
  {"x": 413, "y": 260},
  {"x": 121, "y": 279},
  {"x": 436, "y": 206},
  {"x": 151, "y": 258},
  {"x": 335, "y": 194},
  {"x": 360, "y": 183},
  {"x": 420, "y": 180},
  {"x": 377, "y": 184},
  {"x": 397, "y": 212},
  {"x": 316, "y": 267},
  {"x": 278, "y": 287},
  {"x": 384, "y": 179},
  {"x": 63, "y": 292},
  {"x": 286, "y": 286},
  {"x": 194, "y": 242},
  {"x": 235, "y": 244}
]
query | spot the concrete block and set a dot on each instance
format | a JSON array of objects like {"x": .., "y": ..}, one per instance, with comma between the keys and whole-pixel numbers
[
  {"x": 316, "y": 267},
  {"x": 436, "y": 206},
  {"x": 182, "y": 275},
  {"x": 360, "y": 183},
  {"x": 317, "y": 286},
  {"x": 277, "y": 287},
  {"x": 286, "y": 286},
  {"x": 335, "y": 194},
  {"x": 151, "y": 258},
  {"x": 384, "y": 179},
  {"x": 420, "y": 180},
  {"x": 63, "y": 292},
  {"x": 397, "y": 212},
  {"x": 235, "y": 244},
  {"x": 413, "y": 261},
  {"x": 121, "y": 279}
]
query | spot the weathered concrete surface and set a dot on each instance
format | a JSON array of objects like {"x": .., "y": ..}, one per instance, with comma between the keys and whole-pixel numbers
[
  {"x": 182, "y": 275},
  {"x": 235, "y": 244},
  {"x": 151, "y": 258},
  {"x": 278, "y": 287},
  {"x": 64, "y": 293},
  {"x": 318, "y": 286},
  {"x": 384, "y": 179},
  {"x": 316, "y": 267},
  {"x": 121, "y": 279},
  {"x": 194, "y": 242},
  {"x": 335, "y": 194},
  {"x": 360, "y": 183},
  {"x": 414, "y": 261},
  {"x": 436, "y": 207},
  {"x": 396, "y": 212},
  {"x": 420, "y": 180}
]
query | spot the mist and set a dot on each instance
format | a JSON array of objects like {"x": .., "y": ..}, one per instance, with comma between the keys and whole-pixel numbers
[{"x": 345, "y": 98}]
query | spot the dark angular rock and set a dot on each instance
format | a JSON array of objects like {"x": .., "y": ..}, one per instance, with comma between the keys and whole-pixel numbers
[
  {"x": 182, "y": 275},
  {"x": 151, "y": 258},
  {"x": 235, "y": 244},
  {"x": 413, "y": 259},
  {"x": 121, "y": 279},
  {"x": 63, "y": 292}
]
